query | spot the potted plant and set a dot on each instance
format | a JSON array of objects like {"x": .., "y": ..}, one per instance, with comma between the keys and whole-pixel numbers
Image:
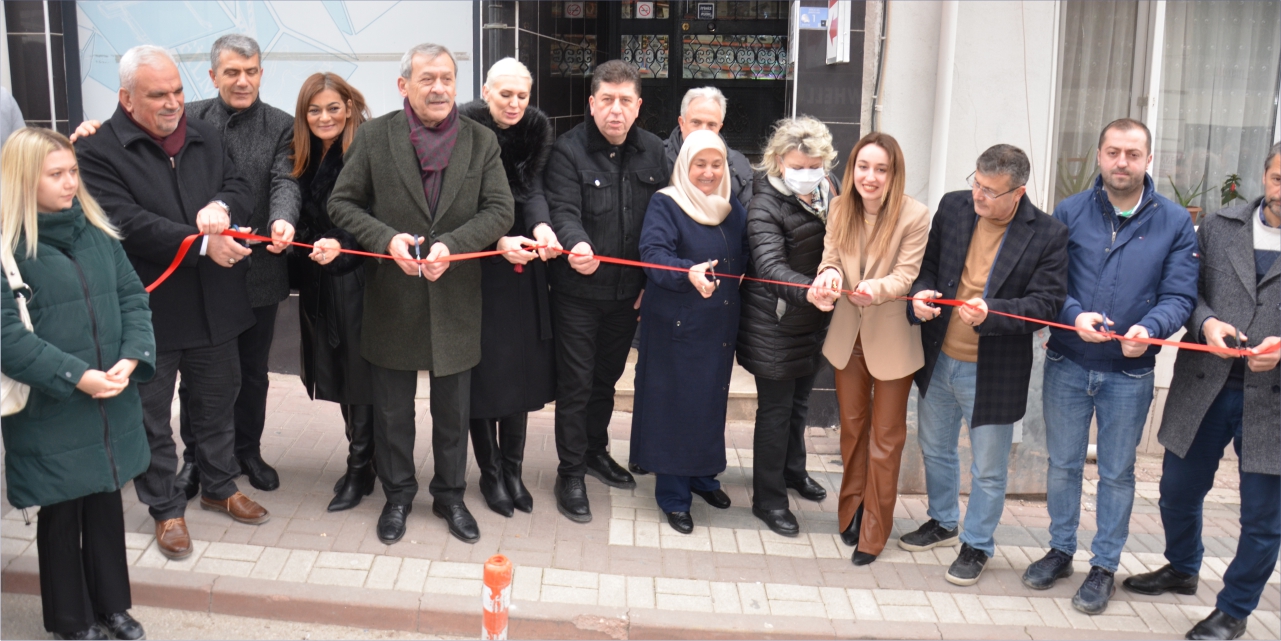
[
  {"x": 1231, "y": 189},
  {"x": 1186, "y": 198}
]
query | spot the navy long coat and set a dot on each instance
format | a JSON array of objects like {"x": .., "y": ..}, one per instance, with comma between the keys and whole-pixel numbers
[{"x": 686, "y": 341}]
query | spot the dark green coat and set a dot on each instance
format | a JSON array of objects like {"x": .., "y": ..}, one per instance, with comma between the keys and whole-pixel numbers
[
  {"x": 88, "y": 313},
  {"x": 411, "y": 323}
]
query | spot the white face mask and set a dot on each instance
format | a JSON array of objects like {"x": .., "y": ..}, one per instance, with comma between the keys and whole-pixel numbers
[{"x": 802, "y": 181}]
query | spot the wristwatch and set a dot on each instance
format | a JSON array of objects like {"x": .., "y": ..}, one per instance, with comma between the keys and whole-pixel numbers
[{"x": 221, "y": 204}]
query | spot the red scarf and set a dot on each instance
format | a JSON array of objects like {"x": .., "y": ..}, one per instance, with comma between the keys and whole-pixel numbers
[{"x": 172, "y": 143}]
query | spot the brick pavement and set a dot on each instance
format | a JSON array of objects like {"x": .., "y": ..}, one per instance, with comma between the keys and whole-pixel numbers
[{"x": 627, "y": 574}]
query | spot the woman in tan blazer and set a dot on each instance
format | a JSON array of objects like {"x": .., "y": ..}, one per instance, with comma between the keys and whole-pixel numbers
[{"x": 875, "y": 240}]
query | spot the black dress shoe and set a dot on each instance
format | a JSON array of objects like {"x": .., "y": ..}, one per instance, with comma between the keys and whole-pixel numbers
[
  {"x": 716, "y": 498},
  {"x": 862, "y": 558},
  {"x": 1218, "y": 626},
  {"x": 188, "y": 480},
  {"x": 461, "y": 523},
  {"x": 391, "y": 523},
  {"x": 850, "y": 535},
  {"x": 782, "y": 522},
  {"x": 496, "y": 496},
  {"x": 681, "y": 522},
  {"x": 571, "y": 499},
  {"x": 809, "y": 489},
  {"x": 94, "y": 632},
  {"x": 609, "y": 472},
  {"x": 1165, "y": 579},
  {"x": 261, "y": 475},
  {"x": 637, "y": 470},
  {"x": 122, "y": 626},
  {"x": 354, "y": 485}
]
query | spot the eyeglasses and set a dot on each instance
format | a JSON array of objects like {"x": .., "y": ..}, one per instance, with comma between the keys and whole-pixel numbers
[{"x": 988, "y": 193}]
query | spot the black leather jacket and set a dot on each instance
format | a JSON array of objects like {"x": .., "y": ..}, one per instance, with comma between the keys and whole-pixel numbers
[{"x": 598, "y": 194}]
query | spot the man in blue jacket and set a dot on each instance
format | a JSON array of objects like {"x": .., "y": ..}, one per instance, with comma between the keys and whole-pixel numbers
[{"x": 1132, "y": 272}]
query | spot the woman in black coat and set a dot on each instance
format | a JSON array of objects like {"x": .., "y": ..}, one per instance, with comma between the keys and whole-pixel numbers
[
  {"x": 517, "y": 370},
  {"x": 331, "y": 285},
  {"x": 781, "y": 334}
]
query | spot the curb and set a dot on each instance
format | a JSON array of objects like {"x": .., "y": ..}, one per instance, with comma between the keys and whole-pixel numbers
[{"x": 452, "y": 615}]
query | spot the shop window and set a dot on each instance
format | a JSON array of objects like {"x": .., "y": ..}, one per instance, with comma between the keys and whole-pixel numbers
[
  {"x": 648, "y": 52},
  {"x": 572, "y": 56},
  {"x": 735, "y": 57}
]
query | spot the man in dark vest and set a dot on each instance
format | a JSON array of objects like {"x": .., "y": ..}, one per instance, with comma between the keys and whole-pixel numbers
[{"x": 423, "y": 181}]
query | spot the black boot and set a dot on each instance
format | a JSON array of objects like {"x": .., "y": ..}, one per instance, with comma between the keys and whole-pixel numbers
[
  {"x": 511, "y": 441},
  {"x": 359, "y": 480},
  {"x": 484, "y": 442},
  {"x": 850, "y": 535}
]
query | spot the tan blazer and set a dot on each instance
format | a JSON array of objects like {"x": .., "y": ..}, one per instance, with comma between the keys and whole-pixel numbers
[{"x": 891, "y": 345}]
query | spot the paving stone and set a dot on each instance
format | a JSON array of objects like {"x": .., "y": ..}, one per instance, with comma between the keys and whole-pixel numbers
[
  {"x": 1014, "y": 617},
  {"x": 909, "y": 613},
  {"x": 189, "y": 563},
  {"x": 783, "y": 592},
  {"x": 298, "y": 566},
  {"x": 684, "y": 603},
  {"x": 1152, "y": 618},
  {"x": 345, "y": 560},
  {"x": 233, "y": 551},
  {"x": 824, "y": 546},
  {"x": 972, "y": 609},
  {"x": 135, "y": 540},
  {"x": 690, "y": 587},
  {"x": 570, "y": 578},
  {"x": 640, "y": 592},
  {"x": 749, "y": 541},
  {"x": 612, "y": 590},
  {"x": 336, "y": 576},
  {"x": 382, "y": 572},
  {"x": 725, "y": 598},
  {"x": 1121, "y": 623},
  {"x": 620, "y": 532},
  {"x": 451, "y": 570},
  {"x": 902, "y": 597},
  {"x": 797, "y": 608},
  {"x": 223, "y": 567},
  {"x": 460, "y": 587},
  {"x": 723, "y": 540},
  {"x": 13, "y": 547},
  {"x": 774, "y": 548},
  {"x": 413, "y": 575},
  {"x": 1049, "y": 612},
  {"x": 837, "y": 603},
  {"x": 646, "y": 534},
  {"x": 562, "y": 594},
  {"x": 945, "y": 608},
  {"x": 992, "y": 602},
  {"x": 526, "y": 583},
  {"x": 752, "y": 598}
]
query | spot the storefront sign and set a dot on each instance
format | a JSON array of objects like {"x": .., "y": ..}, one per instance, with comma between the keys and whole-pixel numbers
[
  {"x": 813, "y": 18},
  {"x": 645, "y": 10},
  {"x": 707, "y": 11},
  {"x": 838, "y": 31}
]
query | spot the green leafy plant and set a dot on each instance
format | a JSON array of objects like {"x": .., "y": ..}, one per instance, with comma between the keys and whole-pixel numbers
[
  {"x": 1186, "y": 198},
  {"x": 1076, "y": 174},
  {"x": 1231, "y": 189}
]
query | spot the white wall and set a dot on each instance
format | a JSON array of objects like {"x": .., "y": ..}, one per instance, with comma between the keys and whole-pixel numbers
[
  {"x": 361, "y": 41},
  {"x": 1003, "y": 83}
]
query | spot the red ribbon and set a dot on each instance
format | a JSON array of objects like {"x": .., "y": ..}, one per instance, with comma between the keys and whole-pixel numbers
[{"x": 188, "y": 241}]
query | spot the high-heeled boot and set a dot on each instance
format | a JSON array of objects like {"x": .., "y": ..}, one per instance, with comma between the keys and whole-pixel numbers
[
  {"x": 511, "y": 439},
  {"x": 484, "y": 442},
  {"x": 358, "y": 482}
]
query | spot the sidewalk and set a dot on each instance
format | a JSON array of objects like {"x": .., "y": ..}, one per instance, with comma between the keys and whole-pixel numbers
[{"x": 626, "y": 574}]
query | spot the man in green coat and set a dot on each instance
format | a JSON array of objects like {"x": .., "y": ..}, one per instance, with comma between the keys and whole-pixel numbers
[{"x": 423, "y": 181}]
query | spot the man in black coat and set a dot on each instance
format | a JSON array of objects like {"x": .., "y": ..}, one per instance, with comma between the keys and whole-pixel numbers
[
  {"x": 993, "y": 249},
  {"x": 599, "y": 180},
  {"x": 162, "y": 177}
]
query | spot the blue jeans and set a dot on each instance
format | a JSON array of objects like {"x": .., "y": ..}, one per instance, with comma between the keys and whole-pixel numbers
[
  {"x": 949, "y": 399},
  {"x": 1184, "y": 484},
  {"x": 674, "y": 493},
  {"x": 1120, "y": 402}
]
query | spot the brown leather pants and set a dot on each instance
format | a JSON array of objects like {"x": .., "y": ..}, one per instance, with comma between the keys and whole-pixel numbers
[{"x": 873, "y": 430}]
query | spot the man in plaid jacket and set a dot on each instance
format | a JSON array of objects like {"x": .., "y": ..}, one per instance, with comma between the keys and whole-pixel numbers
[{"x": 992, "y": 248}]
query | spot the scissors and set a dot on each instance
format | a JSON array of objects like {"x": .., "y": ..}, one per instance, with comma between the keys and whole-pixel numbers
[
  {"x": 1238, "y": 342},
  {"x": 418, "y": 243}
]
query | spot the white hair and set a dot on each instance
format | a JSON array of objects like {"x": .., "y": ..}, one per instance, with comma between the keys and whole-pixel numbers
[
  {"x": 704, "y": 93},
  {"x": 149, "y": 55},
  {"x": 507, "y": 67},
  {"x": 429, "y": 51}
]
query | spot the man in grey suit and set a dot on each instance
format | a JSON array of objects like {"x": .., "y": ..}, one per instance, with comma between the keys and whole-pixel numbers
[
  {"x": 423, "y": 180},
  {"x": 1218, "y": 399}
]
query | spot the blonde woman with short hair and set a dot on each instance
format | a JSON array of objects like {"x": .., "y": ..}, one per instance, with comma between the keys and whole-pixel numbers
[{"x": 80, "y": 437}]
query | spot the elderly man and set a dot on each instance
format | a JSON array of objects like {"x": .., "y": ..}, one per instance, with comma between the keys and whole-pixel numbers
[
  {"x": 993, "y": 249},
  {"x": 599, "y": 179},
  {"x": 423, "y": 181},
  {"x": 1132, "y": 271},
  {"x": 258, "y": 137},
  {"x": 161, "y": 177},
  {"x": 704, "y": 108},
  {"x": 1216, "y": 399}
]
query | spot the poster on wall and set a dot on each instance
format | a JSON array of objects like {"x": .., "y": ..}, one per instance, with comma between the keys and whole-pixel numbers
[{"x": 838, "y": 31}]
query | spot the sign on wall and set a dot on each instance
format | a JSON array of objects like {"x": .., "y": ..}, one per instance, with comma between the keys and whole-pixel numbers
[{"x": 838, "y": 31}]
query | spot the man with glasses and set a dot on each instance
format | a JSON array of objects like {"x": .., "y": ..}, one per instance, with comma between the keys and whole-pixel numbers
[
  {"x": 992, "y": 248},
  {"x": 1132, "y": 273}
]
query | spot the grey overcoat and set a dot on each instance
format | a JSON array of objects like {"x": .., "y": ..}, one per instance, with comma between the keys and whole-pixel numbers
[
  {"x": 1227, "y": 290},
  {"x": 409, "y": 322}
]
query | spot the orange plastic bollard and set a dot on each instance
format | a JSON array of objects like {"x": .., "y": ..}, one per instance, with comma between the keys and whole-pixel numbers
[{"x": 496, "y": 596}]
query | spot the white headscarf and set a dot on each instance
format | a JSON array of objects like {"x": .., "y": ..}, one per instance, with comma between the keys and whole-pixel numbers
[{"x": 703, "y": 208}]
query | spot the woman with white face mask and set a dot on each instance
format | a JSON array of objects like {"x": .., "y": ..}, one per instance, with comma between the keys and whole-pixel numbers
[{"x": 781, "y": 332}]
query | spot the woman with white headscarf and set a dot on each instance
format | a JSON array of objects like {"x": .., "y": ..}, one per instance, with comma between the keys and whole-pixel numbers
[{"x": 687, "y": 332}]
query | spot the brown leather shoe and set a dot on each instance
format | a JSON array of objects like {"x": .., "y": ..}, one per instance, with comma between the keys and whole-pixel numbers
[
  {"x": 172, "y": 538},
  {"x": 239, "y": 507}
]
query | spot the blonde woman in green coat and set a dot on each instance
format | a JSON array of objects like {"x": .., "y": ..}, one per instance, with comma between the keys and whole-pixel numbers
[{"x": 80, "y": 436}]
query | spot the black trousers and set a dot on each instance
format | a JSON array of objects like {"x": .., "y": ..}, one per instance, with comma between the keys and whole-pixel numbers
[
  {"x": 779, "y": 440},
  {"x": 394, "y": 432},
  {"x": 83, "y": 568},
  {"x": 592, "y": 340},
  {"x": 212, "y": 375},
  {"x": 251, "y": 404}
]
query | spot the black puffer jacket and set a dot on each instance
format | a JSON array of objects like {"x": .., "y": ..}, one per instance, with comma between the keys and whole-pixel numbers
[{"x": 780, "y": 335}]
